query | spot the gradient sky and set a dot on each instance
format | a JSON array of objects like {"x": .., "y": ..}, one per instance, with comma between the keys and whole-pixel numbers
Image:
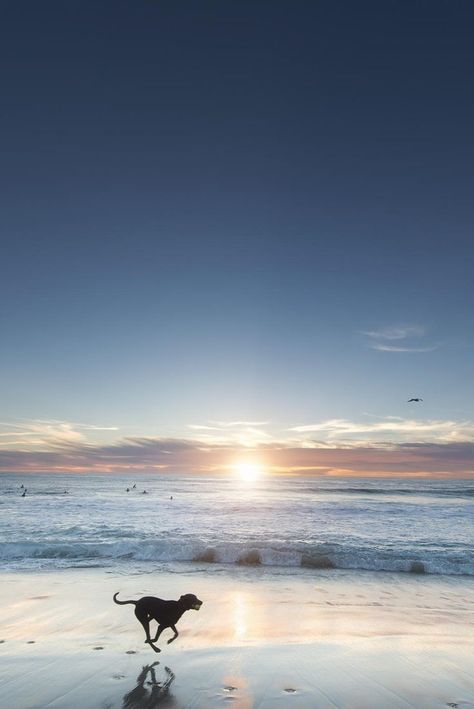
[{"x": 237, "y": 223}]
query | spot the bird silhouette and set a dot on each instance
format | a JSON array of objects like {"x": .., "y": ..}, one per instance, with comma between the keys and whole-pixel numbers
[{"x": 414, "y": 399}]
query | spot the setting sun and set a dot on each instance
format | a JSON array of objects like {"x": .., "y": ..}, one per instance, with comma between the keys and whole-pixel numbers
[{"x": 248, "y": 471}]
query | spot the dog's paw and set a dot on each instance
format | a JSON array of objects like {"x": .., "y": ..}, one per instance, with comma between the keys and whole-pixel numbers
[{"x": 150, "y": 643}]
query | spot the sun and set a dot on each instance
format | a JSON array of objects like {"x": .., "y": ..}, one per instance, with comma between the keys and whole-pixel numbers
[{"x": 248, "y": 471}]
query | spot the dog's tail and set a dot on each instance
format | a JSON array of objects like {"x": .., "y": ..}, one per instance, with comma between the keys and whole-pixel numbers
[{"x": 123, "y": 603}]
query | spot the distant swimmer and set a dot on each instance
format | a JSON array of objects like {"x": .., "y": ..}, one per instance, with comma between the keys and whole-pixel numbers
[
  {"x": 21, "y": 486},
  {"x": 24, "y": 493},
  {"x": 128, "y": 489},
  {"x": 414, "y": 399},
  {"x": 134, "y": 486},
  {"x": 144, "y": 492},
  {"x": 171, "y": 497}
]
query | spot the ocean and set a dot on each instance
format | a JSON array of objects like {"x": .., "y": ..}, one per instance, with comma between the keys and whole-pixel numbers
[{"x": 280, "y": 524}]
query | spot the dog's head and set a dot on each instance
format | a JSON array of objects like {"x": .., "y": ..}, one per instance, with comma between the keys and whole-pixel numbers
[{"x": 190, "y": 601}]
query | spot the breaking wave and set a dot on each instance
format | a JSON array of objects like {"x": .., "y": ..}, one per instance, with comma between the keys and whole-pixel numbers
[{"x": 316, "y": 557}]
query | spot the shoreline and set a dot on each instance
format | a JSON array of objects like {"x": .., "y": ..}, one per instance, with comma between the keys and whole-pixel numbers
[{"x": 333, "y": 639}]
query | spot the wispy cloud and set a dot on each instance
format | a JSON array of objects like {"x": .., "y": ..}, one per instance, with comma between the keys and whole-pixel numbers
[
  {"x": 393, "y": 348},
  {"x": 244, "y": 433},
  {"x": 390, "y": 428},
  {"x": 396, "y": 333},
  {"x": 40, "y": 434},
  {"x": 231, "y": 424},
  {"x": 406, "y": 337}
]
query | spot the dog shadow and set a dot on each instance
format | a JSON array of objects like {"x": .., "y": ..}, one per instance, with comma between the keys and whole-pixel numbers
[{"x": 151, "y": 692}]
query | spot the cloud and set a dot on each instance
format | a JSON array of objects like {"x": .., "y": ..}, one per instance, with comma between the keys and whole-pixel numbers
[
  {"x": 392, "y": 348},
  {"x": 390, "y": 446},
  {"x": 425, "y": 459},
  {"x": 396, "y": 333},
  {"x": 230, "y": 424},
  {"x": 408, "y": 336},
  {"x": 391, "y": 428},
  {"x": 39, "y": 434},
  {"x": 244, "y": 433},
  {"x": 141, "y": 454}
]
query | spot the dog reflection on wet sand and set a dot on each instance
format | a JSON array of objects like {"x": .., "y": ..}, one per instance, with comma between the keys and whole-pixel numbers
[{"x": 150, "y": 693}]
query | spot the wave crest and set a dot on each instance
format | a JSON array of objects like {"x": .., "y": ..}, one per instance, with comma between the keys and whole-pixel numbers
[{"x": 317, "y": 557}]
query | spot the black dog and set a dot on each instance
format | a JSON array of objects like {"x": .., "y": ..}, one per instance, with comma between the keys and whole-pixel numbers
[{"x": 166, "y": 613}]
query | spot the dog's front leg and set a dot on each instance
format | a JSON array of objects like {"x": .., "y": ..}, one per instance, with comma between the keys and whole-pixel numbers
[{"x": 175, "y": 634}]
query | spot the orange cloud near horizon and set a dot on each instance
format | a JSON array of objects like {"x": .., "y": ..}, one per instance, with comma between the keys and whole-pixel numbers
[{"x": 188, "y": 456}]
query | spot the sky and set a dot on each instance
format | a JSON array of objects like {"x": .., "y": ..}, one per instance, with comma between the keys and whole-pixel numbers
[{"x": 237, "y": 230}]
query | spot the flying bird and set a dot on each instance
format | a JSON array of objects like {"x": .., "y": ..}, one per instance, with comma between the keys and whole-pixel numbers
[{"x": 414, "y": 399}]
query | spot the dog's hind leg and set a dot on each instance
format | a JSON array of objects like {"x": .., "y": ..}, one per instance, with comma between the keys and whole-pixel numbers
[
  {"x": 156, "y": 649},
  {"x": 159, "y": 630},
  {"x": 142, "y": 617}
]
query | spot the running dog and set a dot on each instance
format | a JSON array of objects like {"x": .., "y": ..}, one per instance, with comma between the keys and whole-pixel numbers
[{"x": 166, "y": 613}]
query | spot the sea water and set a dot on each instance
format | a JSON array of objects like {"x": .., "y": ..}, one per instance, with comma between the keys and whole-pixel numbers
[{"x": 419, "y": 526}]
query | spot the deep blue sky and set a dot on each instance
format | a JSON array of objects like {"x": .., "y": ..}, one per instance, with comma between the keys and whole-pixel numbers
[{"x": 205, "y": 205}]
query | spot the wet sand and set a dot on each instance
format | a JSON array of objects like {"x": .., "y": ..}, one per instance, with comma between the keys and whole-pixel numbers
[{"x": 326, "y": 639}]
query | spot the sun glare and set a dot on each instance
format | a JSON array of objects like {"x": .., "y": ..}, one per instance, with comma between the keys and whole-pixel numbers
[{"x": 248, "y": 471}]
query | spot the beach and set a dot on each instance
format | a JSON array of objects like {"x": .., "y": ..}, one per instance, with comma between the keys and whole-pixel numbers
[
  {"x": 316, "y": 593},
  {"x": 326, "y": 639}
]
